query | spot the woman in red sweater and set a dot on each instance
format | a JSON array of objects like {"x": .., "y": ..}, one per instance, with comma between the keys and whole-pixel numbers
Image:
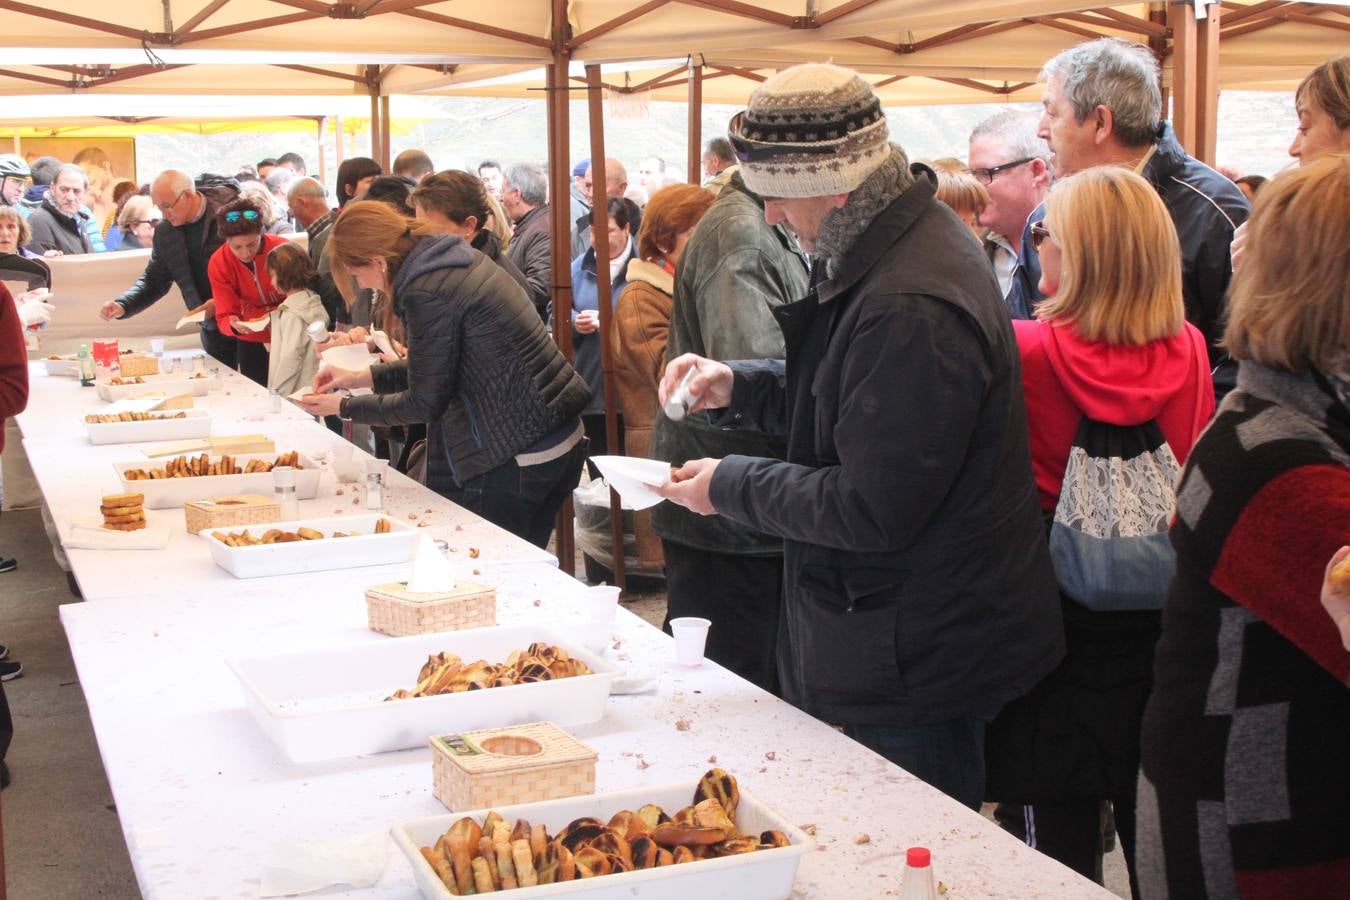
[
  {"x": 241, "y": 286},
  {"x": 1110, "y": 344},
  {"x": 13, "y": 399}
]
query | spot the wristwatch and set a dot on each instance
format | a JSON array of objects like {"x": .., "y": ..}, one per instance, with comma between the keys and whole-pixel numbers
[{"x": 342, "y": 409}]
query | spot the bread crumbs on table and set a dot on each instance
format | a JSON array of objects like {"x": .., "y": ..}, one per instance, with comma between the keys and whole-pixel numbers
[
  {"x": 643, "y": 764},
  {"x": 863, "y": 838},
  {"x": 473, "y": 553},
  {"x": 536, "y": 602},
  {"x": 712, "y": 760},
  {"x": 682, "y": 724},
  {"x": 771, "y": 755},
  {"x": 809, "y": 827}
]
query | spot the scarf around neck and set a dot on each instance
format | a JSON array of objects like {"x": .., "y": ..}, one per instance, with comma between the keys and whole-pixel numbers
[{"x": 842, "y": 227}]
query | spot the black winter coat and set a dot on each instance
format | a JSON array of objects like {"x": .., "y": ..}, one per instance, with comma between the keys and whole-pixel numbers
[
  {"x": 530, "y": 250},
  {"x": 169, "y": 262},
  {"x": 54, "y": 230},
  {"x": 917, "y": 581},
  {"x": 481, "y": 371}
]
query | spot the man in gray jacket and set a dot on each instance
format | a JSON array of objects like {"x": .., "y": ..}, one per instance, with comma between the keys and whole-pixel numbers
[
  {"x": 734, "y": 272},
  {"x": 918, "y": 593}
]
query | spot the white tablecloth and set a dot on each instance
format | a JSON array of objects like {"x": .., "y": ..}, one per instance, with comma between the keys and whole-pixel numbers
[{"x": 203, "y": 794}]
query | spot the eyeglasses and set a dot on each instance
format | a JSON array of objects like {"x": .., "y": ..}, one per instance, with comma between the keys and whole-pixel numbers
[
  {"x": 235, "y": 215},
  {"x": 165, "y": 207},
  {"x": 987, "y": 175},
  {"x": 1038, "y": 235},
  {"x": 747, "y": 150}
]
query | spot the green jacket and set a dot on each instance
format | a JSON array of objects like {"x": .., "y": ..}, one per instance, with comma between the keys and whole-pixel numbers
[{"x": 735, "y": 270}]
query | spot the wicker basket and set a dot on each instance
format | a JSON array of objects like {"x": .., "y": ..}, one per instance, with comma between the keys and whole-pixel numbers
[
  {"x": 132, "y": 364},
  {"x": 219, "y": 512},
  {"x": 394, "y": 610},
  {"x": 516, "y": 764}
]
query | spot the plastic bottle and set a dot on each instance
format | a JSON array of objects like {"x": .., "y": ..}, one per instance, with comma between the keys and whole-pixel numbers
[
  {"x": 375, "y": 470},
  {"x": 678, "y": 403},
  {"x": 918, "y": 883},
  {"x": 283, "y": 487},
  {"x": 317, "y": 331},
  {"x": 86, "y": 361}
]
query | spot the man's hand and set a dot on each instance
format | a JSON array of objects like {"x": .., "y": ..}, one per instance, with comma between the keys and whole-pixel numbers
[
  {"x": 112, "y": 310},
  {"x": 321, "y": 404},
  {"x": 1336, "y": 598},
  {"x": 587, "y": 322},
  {"x": 330, "y": 379},
  {"x": 690, "y": 484},
  {"x": 710, "y": 387}
]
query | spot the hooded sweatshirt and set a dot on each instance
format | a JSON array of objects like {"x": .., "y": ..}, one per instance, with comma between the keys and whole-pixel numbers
[{"x": 1066, "y": 377}]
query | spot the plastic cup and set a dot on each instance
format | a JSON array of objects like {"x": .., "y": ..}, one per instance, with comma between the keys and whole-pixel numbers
[
  {"x": 157, "y": 346},
  {"x": 691, "y": 634},
  {"x": 602, "y": 602}
]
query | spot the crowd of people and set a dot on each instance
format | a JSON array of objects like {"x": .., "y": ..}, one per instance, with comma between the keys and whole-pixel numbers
[{"x": 1027, "y": 470}]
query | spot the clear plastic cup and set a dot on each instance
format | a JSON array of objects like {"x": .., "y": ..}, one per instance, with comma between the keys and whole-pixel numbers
[
  {"x": 602, "y": 602},
  {"x": 157, "y": 346},
  {"x": 691, "y": 634}
]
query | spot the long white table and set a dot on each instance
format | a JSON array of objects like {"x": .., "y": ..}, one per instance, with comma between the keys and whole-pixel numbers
[{"x": 203, "y": 794}]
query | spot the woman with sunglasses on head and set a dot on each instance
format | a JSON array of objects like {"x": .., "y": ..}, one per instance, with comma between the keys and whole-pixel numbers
[
  {"x": 137, "y": 222},
  {"x": 241, "y": 285},
  {"x": 501, "y": 404},
  {"x": 1109, "y": 353}
]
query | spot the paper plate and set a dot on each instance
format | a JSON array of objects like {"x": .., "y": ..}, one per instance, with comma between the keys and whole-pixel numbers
[
  {"x": 353, "y": 357},
  {"x": 634, "y": 478}
]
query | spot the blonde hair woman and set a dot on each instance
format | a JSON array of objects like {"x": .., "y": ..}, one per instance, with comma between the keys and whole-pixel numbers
[
  {"x": 1247, "y": 725},
  {"x": 137, "y": 222},
  {"x": 501, "y": 404},
  {"x": 1110, "y": 344}
]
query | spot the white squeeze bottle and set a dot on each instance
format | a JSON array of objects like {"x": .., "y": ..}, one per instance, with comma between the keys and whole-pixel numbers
[
  {"x": 918, "y": 883},
  {"x": 317, "y": 331}
]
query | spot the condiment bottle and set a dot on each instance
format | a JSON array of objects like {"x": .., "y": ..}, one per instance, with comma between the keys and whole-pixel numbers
[
  {"x": 678, "y": 403},
  {"x": 375, "y": 469},
  {"x": 283, "y": 487},
  {"x": 86, "y": 362},
  {"x": 918, "y": 883},
  {"x": 317, "y": 331}
]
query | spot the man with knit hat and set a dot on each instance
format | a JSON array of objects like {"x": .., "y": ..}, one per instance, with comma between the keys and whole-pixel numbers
[{"x": 918, "y": 593}]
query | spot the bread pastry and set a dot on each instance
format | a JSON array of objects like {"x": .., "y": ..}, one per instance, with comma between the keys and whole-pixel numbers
[
  {"x": 127, "y": 526},
  {"x": 127, "y": 519},
  {"x": 123, "y": 499},
  {"x": 119, "y": 510}
]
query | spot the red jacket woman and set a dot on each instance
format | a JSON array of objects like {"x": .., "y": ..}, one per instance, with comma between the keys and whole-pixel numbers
[
  {"x": 241, "y": 286},
  {"x": 1110, "y": 343}
]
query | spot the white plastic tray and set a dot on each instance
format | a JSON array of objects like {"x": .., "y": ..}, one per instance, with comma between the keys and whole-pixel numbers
[
  {"x": 168, "y": 493},
  {"x": 762, "y": 875},
  {"x": 364, "y": 549},
  {"x": 169, "y": 385},
  {"x": 327, "y": 704},
  {"x": 65, "y": 367},
  {"x": 195, "y": 423}
]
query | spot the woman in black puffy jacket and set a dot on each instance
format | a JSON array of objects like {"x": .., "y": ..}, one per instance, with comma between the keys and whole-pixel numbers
[{"x": 501, "y": 404}]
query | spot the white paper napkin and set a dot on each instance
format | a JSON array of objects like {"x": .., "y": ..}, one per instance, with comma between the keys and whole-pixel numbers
[
  {"x": 195, "y": 317},
  {"x": 253, "y": 326},
  {"x": 431, "y": 571},
  {"x": 634, "y": 478},
  {"x": 382, "y": 341},
  {"x": 82, "y": 534},
  {"x": 296, "y": 868}
]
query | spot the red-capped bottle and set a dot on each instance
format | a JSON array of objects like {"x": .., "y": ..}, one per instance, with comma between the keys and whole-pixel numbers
[{"x": 918, "y": 883}]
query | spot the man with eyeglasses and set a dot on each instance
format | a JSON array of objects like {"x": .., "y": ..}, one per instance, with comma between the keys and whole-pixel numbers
[
  {"x": 1013, "y": 164},
  {"x": 183, "y": 243},
  {"x": 15, "y": 177}
]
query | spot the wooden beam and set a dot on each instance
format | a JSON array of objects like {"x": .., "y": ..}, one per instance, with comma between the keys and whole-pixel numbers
[
  {"x": 983, "y": 29},
  {"x": 839, "y": 12},
  {"x": 315, "y": 70},
  {"x": 945, "y": 37},
  {"x": 891, "y": 80},
  {"x": 1314, "y": 20},
  {"x": 878, "y": 43},
  {"x": 694, "y": 126},
  {"x": 1161, "y": 47},
  {"x": 314, "y": 6},
  {"x": 129, "y": 73},
  {"x": 603, "y": 28},
  {"x": 746, "y": 11},
  {"x": 1185, "y": 35},
  {"x": 245, "y": 27},
  {"x": 202, "y": 15},
  {"x": 1207, "y": 85},
  {"x": 559, "y": 172},
  {"x": 1241, "y": 13},
  {"x": 477, "y": 27},
  {"x": 1052, "y": 22},
  {"x": 646, "y": 85},
  {"x": 1128, "y": 22},
  {"x": 72, "y": 19},
  {"x": 386, "y": 7},
  {"x": 386, "y": 156},
  {"x": 40, "y": 79},
  {"x": 605, "y": 307},
  {"x": 743, "y": 73},
  {"x": 970, "y": 83}
]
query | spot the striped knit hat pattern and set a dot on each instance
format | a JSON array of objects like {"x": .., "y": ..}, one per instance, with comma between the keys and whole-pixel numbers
[{"x": 830, "y": 127}]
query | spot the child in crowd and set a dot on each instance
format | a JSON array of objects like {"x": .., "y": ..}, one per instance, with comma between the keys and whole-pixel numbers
[{"x": 293, "y": 361}]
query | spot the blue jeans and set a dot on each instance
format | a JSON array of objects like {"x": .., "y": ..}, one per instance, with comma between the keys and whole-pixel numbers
[{"x": 947, "y": 755}]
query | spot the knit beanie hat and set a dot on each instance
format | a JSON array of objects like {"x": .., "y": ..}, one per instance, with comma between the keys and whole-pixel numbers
[{"x": 810, "y": 131}]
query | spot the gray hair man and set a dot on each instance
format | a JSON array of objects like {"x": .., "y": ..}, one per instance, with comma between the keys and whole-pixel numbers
[
  {"x": 183, "y": 243},
  {"x": 61, "y": 223},
  {"x": 1103, "y": 106},
  {"x": 525, "y": 200},
  {"x": 1013, "y": 163},
  {"x": 901, "y": 401}
]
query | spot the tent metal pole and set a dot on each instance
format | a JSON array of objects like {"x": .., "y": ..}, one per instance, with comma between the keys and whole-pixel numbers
[
  {"x": 1207, "y": 84},
  {"x": 337, "y": 142},
  {"x": 595, "y": 103},
  {"x": 323, "y": 157},
  {"x": 386, "y": 152},
  {"x": 559, "y": 171},
  {"x": 695, "y": 151},
  {"x": 1181, "y": 16}
]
